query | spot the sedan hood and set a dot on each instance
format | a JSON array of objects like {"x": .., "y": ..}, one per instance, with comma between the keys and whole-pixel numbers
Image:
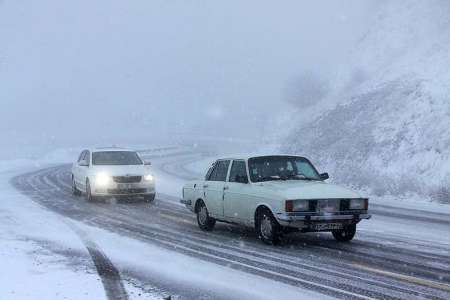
[
  {"x": 138, "y": 170},
  {"x": 301, "y": 189}
]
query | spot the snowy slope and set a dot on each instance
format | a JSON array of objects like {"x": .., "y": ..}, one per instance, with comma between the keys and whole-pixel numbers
[{"x": 386, "y": 123}]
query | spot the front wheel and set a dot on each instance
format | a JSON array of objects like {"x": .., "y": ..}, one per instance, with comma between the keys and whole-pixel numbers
[
  {"x": 75, "y": 190},
  {"x": 149, "y": 198},
  {"x": 268, "y": 228},
  {"x": 346, "y": 234},
  {"x": 205, "y": 222},
  {"x": 89, "y": 196}
]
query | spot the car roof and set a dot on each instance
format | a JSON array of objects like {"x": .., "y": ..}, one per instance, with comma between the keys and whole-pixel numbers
[
  {"x": 247, "y": 157},
  {"x": 111, "y": 149}
]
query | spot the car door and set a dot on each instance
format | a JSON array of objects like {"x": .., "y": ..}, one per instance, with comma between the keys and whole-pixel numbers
[
  {"x": 236, "y": 193},
  {"x": 213, "y": 188}
]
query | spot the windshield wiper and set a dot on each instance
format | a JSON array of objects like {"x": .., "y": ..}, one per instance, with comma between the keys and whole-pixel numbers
[
  {"x": 300, "y": 177},
  {"x": 269, "y": 178}
]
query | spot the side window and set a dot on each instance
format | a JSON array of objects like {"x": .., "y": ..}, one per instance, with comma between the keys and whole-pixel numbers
[
  {"x": 80, "y": 158},
  {"x": 210, "y": 171},
  {"x": 238, "y": 172},
  {"x": 87, "y": 157},
  {"x": 220, "y": 171}
]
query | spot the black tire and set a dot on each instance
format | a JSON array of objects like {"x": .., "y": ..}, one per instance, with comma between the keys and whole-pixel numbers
[
  {"x": 346, "y": 234},
  {"x": 205, "y": 222},
  {"x": 149, "y": 198},
  {"x": 89, "y": 196},
  {"x": 75, "y": 190},
  {"x": 267, "y": 228}
]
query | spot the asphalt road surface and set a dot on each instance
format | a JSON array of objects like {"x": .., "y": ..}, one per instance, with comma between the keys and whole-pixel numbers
[{"x": 377, "y": 264}]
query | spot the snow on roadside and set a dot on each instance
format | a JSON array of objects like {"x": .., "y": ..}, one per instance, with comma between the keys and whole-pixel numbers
[
  {"x": 40, "y": 255},
  {"x": 40, "y": 250},
  {"x": 167, "y": 184},
  {"x": 41, "y": 258},
  {"x": 190, "y": 273}
]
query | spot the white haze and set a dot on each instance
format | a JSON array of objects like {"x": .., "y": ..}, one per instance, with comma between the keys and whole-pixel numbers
[{"x": 81, "y": 72}]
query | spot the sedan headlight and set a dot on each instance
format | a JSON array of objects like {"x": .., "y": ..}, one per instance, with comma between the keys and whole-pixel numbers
[
  {"x": 360, "y": 204},
  {"x": 297, "y": 205},
  {"x": 148, "y": 177},
  {"x": 102, "y": 179}
]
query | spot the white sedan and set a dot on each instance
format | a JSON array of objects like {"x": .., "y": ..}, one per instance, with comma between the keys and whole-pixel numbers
[
  {"x": 112, "y": 172},
  {"x": 274, "y": 194}
]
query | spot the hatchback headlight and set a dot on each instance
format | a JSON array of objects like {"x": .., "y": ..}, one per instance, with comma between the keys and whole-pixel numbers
[
  {"x": 358, "y": 204},
  {"x": 297, "y": 205},
  {"x": 148, "y": 177},
  {"x": 102, "y": 179}
]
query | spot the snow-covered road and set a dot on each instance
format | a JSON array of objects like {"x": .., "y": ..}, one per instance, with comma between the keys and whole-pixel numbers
[{"x": 158, "y": 249}]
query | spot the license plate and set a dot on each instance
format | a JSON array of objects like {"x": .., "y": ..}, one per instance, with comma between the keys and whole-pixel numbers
[
  {"x": 326, "y": 226},
  {"x": 124, "y": 186}
]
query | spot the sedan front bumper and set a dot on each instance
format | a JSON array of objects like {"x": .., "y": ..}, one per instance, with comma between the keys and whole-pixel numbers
[
  {"x": 305, "y": 220},
  {"x": 137, "y": 189}
]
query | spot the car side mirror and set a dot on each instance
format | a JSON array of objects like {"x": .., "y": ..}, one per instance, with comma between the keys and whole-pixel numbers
[
  {"x": 241, "y": 179},
  {"x": 83, "y": 163},
  {"x": 147, "y": 163},
  {"x": 324, "y": 176}
]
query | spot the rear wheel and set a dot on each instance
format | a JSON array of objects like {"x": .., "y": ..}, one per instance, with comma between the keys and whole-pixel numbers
[
  {"x": 346, "y": 234},
  {"x": 75, "y": 190},
  {"x": 267, "y": 228},
  {"x": 205, "y": 222}
]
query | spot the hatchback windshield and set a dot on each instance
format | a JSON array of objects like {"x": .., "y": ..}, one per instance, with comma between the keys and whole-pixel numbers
[
  {"x": 116, "y": 158},
  {"x": 266, "y": 168}
]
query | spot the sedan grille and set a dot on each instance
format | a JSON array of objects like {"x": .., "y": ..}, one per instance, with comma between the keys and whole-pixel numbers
[
  {"x": 328, "y": 205},
  {"x": 127, "y": 179},
  {"x": 127, "y": 191}
]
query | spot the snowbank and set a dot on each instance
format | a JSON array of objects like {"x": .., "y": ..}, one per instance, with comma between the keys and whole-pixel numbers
[{"x": 41, "y": 258}]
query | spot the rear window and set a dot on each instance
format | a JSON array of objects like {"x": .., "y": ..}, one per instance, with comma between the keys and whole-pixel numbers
[{"x": 116, "y": 158}]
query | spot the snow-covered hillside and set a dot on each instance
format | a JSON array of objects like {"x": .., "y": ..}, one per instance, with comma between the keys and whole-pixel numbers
[{"x": 385, "y": 124}]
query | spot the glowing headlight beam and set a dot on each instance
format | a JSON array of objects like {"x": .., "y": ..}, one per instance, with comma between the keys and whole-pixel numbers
[
  {"x": 148, "y": 177},
  {"x": 102, "y": 179}
]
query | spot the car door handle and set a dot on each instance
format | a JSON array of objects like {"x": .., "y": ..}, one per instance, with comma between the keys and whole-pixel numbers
[
  {"x": 226, "y": 187},
  {"x": 205, "y": 186}
]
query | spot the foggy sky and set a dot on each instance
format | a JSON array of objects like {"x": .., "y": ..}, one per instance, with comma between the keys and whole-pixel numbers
[{"x": 82, "y": 71}]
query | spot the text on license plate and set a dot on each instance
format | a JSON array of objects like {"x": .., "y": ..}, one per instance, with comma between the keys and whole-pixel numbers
[{"x": 326, "y": 226}]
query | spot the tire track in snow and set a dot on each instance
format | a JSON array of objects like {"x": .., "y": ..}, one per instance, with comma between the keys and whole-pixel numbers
[
  {"x": 50, "y": 186},
  {"x": 109, "y": 274}
]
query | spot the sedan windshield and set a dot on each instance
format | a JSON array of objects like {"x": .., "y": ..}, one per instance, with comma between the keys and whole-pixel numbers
[
  {"x": 116, "y": 158},
  {"x": 267, "y": 168}
]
